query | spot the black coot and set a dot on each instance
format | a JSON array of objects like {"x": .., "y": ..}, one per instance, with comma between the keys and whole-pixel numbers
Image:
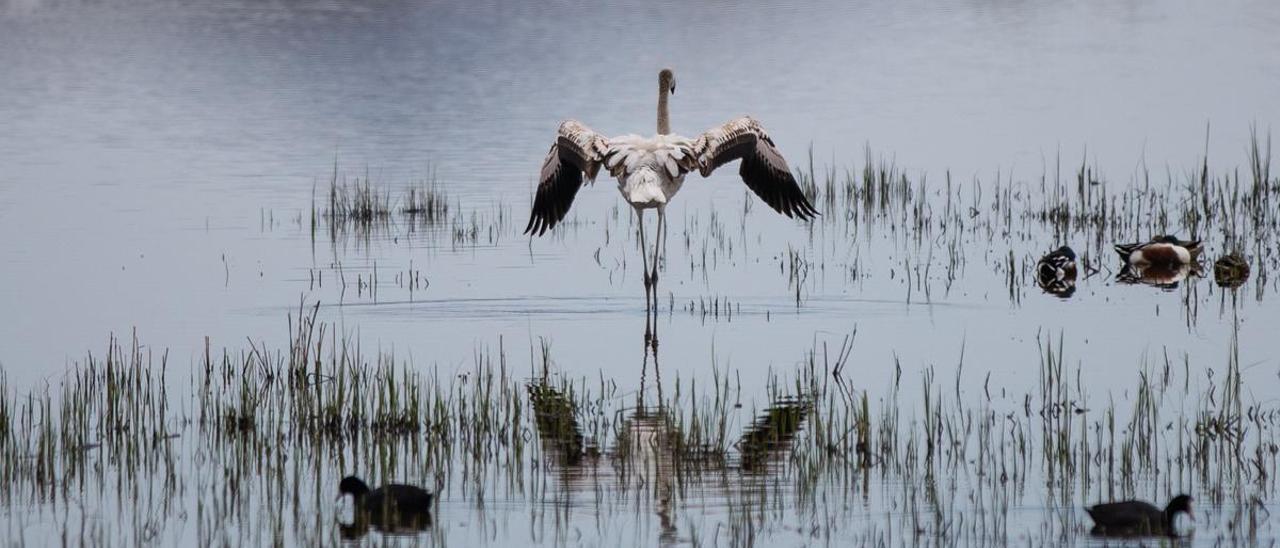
[
  {"x": 392, "y": 508},
  {"x": 1135, "y": 517}
]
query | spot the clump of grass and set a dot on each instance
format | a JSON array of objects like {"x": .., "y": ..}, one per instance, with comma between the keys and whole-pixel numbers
[
  {"x": 357, "y": 201},
  {"x": 363, "y": 207},
  {"x": 426, "y": 203}
]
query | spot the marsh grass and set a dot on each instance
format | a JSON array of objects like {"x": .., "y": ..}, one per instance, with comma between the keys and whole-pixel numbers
[
  {"x": 426, "y": 203},
  {"x": 361, "y": 212},
  {"x": 267, "y": 429}
]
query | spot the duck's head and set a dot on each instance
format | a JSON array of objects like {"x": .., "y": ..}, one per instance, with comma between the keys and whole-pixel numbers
[
  {"x": 353, "y": 486},
  {"x": 1180, "y": 503},
  {"x": 1067, "y": 252},
  {"x": 667, "y": 80}
]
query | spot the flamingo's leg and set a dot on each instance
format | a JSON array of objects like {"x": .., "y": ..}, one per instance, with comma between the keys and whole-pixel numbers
[
  {"x": 644, "y": 256},
  {"x": 658, "y": 236},
  {"x": 662, "y": 216}
]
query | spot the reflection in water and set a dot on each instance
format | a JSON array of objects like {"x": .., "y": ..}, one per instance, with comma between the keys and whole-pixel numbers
[
  {"x": 556, "y": 417},
  {"x": 647, "y": 452},
  {"x": 659, "y": 455},
  {"x": 393, "y": 522},
  {"x": 772, "y": 432},
  {"x": 647, "y": 461},
  {"x": 1060, "y": 288},
  {"x": 663, "y": 453},
  {"x": 1231, "y": 270},
  {"x": 1163, "y": 276}
]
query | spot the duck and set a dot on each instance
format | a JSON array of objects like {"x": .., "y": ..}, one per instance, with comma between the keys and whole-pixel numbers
[
  {"x": 392, "y": 507},
  {"x": 1138, "y": 518},
  {"x": 1161, "y": 250},
  {"x": 1056, "y": 272},
  {"x": 1059, "y": 264}
]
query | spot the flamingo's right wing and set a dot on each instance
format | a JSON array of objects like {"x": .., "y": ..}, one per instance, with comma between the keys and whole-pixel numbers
[
  {"x": 577, "y": 150},
  {"x": 763, "y": 168}
]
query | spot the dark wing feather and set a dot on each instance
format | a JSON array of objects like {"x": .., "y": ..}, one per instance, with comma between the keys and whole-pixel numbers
[
  {"x": 577, "y": 150},
  {"x": 763, "y": 168},
  {"x": 409, "y": 497},
  {"x": 1127, "y": 514}
]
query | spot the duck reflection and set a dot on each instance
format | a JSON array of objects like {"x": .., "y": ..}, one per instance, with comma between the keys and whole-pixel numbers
[
  {"x": 1062, "y": 289},
  {"x": 1164, "y": 276},
  {"x": 392, "y": 522}
]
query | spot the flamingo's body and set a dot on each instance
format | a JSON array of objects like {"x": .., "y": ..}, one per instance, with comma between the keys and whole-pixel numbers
[{"x": 650, "y": 170}]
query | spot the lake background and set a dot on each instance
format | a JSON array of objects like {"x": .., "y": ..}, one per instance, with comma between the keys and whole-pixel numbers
[{"x": 160, "y": 159}]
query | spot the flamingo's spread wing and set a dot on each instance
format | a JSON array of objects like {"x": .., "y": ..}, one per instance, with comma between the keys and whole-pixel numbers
[
  {"x": 577, "y": 150},
  {"x": 763, "y": 167}
]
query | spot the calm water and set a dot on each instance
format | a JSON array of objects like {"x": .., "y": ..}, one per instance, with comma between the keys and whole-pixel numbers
[{"x": 160, "y": 159}]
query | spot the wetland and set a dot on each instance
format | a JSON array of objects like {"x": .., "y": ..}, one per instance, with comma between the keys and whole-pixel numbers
[{"x": 249, "y": 250}]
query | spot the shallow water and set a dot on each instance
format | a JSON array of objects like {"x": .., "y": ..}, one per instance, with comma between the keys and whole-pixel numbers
[{"x": 161, "y": 158}]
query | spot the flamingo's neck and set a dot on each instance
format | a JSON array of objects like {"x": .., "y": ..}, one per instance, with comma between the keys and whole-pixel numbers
[{"x": 664, "y": 119}]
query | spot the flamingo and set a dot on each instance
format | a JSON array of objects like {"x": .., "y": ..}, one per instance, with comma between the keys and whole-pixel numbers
[{"x": 651, "y": 170}]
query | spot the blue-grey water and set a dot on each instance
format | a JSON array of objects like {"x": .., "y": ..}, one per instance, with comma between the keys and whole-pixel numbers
[{"x": 159, "y": 159}]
